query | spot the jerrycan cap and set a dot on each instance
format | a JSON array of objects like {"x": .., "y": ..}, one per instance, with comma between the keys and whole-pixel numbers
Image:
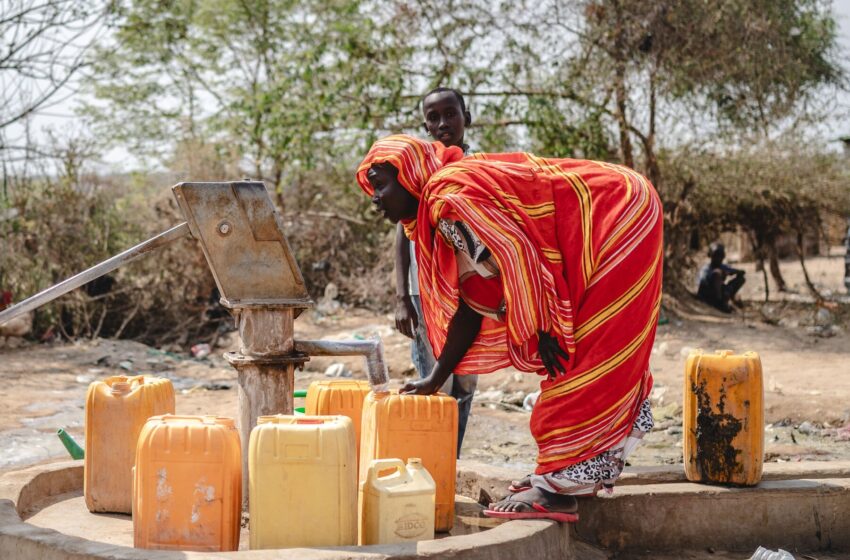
[
  {"x": 120, "y": 388},
  {"x": 724, "y": 353}
]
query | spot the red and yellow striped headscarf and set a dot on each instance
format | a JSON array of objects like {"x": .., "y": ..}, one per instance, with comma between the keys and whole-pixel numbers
[{"x": 415, "y": 159}]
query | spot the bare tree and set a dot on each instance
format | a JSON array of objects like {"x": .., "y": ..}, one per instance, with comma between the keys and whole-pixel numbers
[{"x": 43, "y": 45}]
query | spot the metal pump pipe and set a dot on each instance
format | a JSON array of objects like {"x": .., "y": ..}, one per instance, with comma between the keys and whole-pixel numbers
[{"x": 372, "y": 350}]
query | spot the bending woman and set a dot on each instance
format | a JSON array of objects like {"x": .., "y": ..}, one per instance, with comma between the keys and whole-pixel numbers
[{"x": 551, "y": 266}]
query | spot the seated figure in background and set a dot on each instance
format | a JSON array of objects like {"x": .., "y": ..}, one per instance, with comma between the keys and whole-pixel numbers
[{"x": 713, "y": 287}]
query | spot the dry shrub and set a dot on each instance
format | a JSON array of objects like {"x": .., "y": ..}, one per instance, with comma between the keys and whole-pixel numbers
[
  {"x": 352, "y": 256},
  {"x": 56, "y": 228},
  {"x": 336, "y": 237}
]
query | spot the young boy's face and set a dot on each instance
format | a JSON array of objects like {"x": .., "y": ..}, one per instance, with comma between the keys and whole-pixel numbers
[{"x": 444, "y": 119}]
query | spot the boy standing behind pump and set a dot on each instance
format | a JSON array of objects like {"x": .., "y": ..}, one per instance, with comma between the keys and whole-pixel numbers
[{"x": 446, "y": 119}]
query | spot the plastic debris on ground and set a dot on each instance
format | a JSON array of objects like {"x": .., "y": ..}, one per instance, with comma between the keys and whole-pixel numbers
[
  {"x": 201, "y": 351},
  {"x": 530, "y": 400},
  {"x": 762, "y": 553},
  {"x": 337, "y": 369}
]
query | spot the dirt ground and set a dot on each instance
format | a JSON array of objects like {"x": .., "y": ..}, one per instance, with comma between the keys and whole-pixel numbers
[{"x": 805, "y": 354}]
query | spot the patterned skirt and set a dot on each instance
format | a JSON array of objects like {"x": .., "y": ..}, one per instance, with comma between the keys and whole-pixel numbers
[{"x": 600, "y": 472}]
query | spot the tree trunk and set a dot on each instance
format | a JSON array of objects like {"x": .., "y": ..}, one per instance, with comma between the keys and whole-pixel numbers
[
  {"x": 773, "y": 259},
  {"x": 800, "y": 255},
  {"x": 758, "y": 253},
  {"x": 621, "y": 93}
]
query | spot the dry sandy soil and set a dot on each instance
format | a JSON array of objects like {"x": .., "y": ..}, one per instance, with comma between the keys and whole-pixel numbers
[{"x": 807, "y": 378}]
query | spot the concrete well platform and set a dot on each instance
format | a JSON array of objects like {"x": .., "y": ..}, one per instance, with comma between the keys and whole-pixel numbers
[
  {"x": 43, "y": 517},
  {"x": 653, "y": 513}
]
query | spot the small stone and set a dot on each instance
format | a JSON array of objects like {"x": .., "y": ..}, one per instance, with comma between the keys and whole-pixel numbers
[
  {"x": 671, "y": 410},
  {"x": 789, "y": 323},
  {"x": 656, "y": 397},
  {"x": 126, "y": 365},
  {"x": 686, "y": 351},
  {"x": 770, "y": 314},
  {"x": 516, "y": 398},
  {"x": 823, "y": 318},
  {"x": 822, "y": 331},
  {"x": 664, "y": 424},
  {"x": 492, "y": 395},
  {"x": 806, "y": 428}
]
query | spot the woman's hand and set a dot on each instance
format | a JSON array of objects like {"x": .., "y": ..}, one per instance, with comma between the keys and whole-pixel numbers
[
  {"x": 550, "y": 351},
  {"x": 406, "y": 319},
  {"x": 427, "y": 386},
  {"x": 463, "y": 328}
]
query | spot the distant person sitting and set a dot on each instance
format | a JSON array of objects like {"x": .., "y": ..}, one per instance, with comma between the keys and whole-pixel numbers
[{"x": 713, "y": 288}]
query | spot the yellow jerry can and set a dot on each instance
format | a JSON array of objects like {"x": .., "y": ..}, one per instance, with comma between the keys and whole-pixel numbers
[
  {"x": 116, "y": 409},
  {"x": 723, "y": 418},
  {"x": 329, "y": 397},
  {"x": 302, "y": 482},
  {"x": 399, "y": 506},
  {"x": 404, "y": 426}
]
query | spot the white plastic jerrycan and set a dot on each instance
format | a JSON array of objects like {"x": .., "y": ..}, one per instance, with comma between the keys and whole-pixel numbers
[{"x": 397, "y": 507}]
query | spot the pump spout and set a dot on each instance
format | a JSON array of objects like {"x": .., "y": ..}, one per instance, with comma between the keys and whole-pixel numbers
[{"x": 372, "y": 350}]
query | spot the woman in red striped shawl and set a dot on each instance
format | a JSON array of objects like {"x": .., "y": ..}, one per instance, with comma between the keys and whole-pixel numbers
[{"x": 551, "y": 266}]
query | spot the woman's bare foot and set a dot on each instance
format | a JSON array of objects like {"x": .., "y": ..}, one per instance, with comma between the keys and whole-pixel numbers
[
  {"x": 520, "y": 485},
  {"x": 522, "y": 502}
]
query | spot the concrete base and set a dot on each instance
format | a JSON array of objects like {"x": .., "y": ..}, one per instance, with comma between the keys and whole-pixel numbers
[
  {"x": 802, "y": 507},
  {"x": 797, "y": 506},
  {"x": 43, "y": 517},
  {"x": 798, "y": 515}
]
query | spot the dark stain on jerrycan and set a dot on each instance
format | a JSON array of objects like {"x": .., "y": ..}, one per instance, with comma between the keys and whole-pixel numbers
[
  {"x": 723, "y": 417},
  {"x": 716, "y": 457}
]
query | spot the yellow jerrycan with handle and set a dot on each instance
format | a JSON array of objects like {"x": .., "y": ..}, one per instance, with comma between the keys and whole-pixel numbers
[
  {"x": 116, "y": 410},
  {"x": 403, "y": 426},
  {"x": 302, "y": 482},
  {"x": 723, "y": 418},
  {"x": 399, "y": 506}
]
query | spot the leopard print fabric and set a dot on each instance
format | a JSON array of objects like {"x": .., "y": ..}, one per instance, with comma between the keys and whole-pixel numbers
[{"x": 599, "y": 472}]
